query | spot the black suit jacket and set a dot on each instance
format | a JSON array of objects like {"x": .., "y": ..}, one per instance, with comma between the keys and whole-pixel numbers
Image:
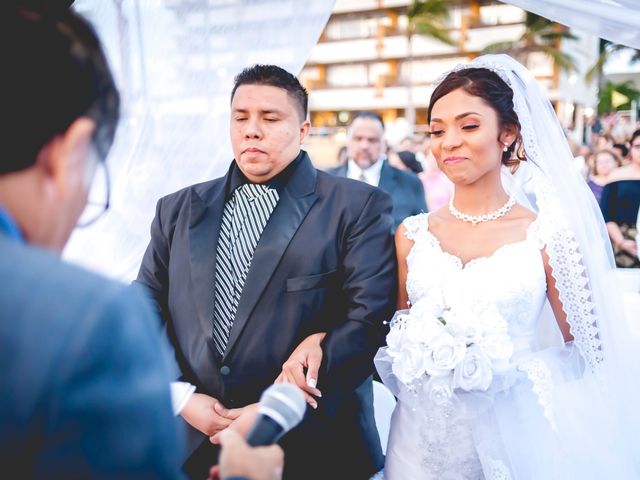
[
  {"x": 405, "y": 189},
  {"x": 324, "y": 262}
]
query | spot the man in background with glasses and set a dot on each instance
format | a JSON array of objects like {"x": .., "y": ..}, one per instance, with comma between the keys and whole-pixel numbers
[{"x": 83, "y": 372}]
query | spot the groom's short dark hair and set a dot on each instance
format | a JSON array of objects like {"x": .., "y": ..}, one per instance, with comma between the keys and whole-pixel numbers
[{"x": 274, "y": 76}]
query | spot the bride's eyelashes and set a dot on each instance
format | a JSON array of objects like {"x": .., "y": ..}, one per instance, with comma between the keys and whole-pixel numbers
[{"x": 439, "y": 133}]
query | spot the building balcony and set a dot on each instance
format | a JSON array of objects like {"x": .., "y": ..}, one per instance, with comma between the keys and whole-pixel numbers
[
  {"x": 369, "y": 98},
  {"x": 397, "y": 46}
]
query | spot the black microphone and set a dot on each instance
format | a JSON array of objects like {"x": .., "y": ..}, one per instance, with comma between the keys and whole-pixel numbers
[{"x": 281, "y": 408}]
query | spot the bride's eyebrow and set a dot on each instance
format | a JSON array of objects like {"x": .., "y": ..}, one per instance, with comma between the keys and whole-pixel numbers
[{"x": 458, "y": 117}]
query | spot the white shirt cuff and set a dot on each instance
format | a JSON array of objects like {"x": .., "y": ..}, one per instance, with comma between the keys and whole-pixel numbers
[{"x": 180, "y": 394}]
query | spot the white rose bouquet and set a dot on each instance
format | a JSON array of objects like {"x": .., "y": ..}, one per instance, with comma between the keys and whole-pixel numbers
[{"x": 448, "y": 347}]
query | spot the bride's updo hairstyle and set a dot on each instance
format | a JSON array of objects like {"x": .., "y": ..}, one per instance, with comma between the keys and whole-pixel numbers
[{"x": 487, "y": 85}]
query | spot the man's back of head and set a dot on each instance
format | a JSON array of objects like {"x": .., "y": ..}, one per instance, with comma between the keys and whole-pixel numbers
[
  {"x": 61, "y": 104},
  {"x": 54, "y": 72}
]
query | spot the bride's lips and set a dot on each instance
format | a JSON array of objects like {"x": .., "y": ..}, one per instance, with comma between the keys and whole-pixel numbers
[{"x": 453, "y": 160}]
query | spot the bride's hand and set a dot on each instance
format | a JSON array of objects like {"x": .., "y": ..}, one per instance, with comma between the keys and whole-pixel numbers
[
  {"x": 307, "y": 355},
  {"x": 629, "y": 246}
]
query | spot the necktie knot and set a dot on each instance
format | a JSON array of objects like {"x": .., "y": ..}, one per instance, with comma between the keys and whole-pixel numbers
[{"x": 251, "y": 191}]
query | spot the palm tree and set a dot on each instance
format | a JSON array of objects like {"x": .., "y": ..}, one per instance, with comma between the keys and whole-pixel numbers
[
  {"x": 617, "y": 96},
  {"x": 540, "y": 35},
  {"x": 430, "y": 17},
  {"x": 607, "y": 49}
]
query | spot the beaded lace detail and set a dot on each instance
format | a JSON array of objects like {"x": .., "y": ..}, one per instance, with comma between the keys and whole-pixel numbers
[{"x": 495, "y": 469}]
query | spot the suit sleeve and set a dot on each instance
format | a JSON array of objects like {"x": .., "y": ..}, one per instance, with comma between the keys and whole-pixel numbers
[
  {"x": 114, "y": 387},
  {"x": 154, "y": 278},
  {"x": 153, "y": 274},
  {"x": 370, "y": 289}
]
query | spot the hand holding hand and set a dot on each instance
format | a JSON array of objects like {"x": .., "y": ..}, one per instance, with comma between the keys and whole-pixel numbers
[
  {"x": 307, "y": 355},
  {"x": 241, "y": 419},
  {"x": 200, "y": 412}
]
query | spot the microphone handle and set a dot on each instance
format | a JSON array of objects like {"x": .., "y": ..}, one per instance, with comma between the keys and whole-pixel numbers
[{"x": 265, "y": 431}]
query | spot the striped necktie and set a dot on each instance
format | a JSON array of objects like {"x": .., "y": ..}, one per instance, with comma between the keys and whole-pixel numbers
[{"x": 245, "y": 215}]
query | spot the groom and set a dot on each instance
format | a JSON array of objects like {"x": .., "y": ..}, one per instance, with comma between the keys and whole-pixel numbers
[{"x": 244, "y": 267}]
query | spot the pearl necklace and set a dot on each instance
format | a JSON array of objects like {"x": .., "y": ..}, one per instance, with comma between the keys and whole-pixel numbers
[{"x": 475, "y": 219}]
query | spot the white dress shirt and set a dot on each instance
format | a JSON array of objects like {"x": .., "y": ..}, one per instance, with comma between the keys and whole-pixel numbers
[{"x": 371, "y": 175}]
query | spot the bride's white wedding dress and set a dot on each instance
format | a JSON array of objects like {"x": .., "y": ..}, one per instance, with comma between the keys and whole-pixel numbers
[{"x": 428, "y": 440}]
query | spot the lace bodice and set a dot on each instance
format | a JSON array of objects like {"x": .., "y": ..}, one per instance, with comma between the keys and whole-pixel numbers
[{"x": 512, "y": 278}]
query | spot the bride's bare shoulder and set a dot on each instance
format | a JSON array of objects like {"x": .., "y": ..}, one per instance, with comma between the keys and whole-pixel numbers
[{"x": 523, "y": 214}]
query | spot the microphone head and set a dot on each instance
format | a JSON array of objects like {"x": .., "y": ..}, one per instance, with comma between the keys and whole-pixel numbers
[{"x": 284, "y": 403}]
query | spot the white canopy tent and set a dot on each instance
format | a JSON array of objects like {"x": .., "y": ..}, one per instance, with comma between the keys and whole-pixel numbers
[{"x": 615, "y": 20}]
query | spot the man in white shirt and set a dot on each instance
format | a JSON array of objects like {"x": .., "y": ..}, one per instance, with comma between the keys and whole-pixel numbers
[{"x": 367, "y": 162}]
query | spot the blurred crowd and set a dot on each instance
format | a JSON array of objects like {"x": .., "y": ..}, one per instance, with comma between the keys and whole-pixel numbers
[{"x": 610, "y": 164}]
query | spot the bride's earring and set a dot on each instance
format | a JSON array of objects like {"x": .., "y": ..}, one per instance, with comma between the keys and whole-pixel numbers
[{"x": 506, "y": 147}]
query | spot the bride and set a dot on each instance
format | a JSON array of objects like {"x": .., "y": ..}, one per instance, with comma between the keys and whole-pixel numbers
[{"x": 508, "y": 355}]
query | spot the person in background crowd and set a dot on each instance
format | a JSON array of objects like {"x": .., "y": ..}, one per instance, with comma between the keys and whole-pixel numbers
[
  {"x": 582, "y": 159},
  {"x": 604, "y": 141},
  {"x": 437, "y": 186},
  {"x": 406, "y": 144},
  {"x": 620, "y": 201},
  {"x": 404, "y": 160},
  {"x": 342, "y": 155},
  {"x": 623, "y": 151},
  {"x": 367, "y": 162},
  {"x": 84, "y": 374},
  {"x": 605, "y": 162}
]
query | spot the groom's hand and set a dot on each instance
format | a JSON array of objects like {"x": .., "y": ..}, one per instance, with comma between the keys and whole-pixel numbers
[
  {"x": 242, "y": 419},
  {"x": 200, "y": 412},
  {"x": 307, "y": 356}
]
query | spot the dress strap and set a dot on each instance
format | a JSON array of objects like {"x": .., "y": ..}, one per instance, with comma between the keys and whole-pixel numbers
[{"x": 416, "y": 224}]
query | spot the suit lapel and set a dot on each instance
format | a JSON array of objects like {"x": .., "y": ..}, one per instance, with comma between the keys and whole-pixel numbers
[
  {"x": 388, "y": 180},
  {"x": 295, "y": 202},
  {"x": 204, "y": 225}
]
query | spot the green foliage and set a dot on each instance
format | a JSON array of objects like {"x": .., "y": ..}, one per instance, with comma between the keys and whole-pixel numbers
[
  {"x": 607, "y": 93},
  {"x": 540, "y": 35},
  {"x": 607, "y": 49},
  {"x": 430, "y": 17}
]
